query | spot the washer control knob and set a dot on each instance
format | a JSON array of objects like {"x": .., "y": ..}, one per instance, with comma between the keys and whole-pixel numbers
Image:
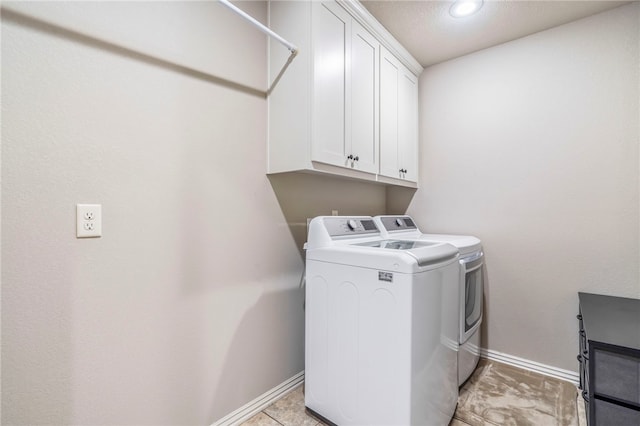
[
  {"x": 399, "y": 222},
  {"x": 352, "y": 224}
]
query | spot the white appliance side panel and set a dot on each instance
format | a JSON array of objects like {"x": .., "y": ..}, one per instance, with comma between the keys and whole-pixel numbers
[
  {"x": 344, "y": 346},
  {"x": 386, "y": 340},
  {"x": 362, "y": 374},
  {"x": 468, "y": 357},
  {"x": 316, "y": 330},
  {"x": 434, "y": 367}
]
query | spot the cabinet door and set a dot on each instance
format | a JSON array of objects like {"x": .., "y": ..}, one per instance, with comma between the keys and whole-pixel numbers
[
  {"x": 363, "y": 99},
  {"x": 408, "y": 124},
  {"x": 331, "y": 26},
  {"x": 389, "y": 77}
]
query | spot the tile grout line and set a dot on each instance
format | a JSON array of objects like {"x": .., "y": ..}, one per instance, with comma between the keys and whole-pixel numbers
[{"x": 272, "y": 418}]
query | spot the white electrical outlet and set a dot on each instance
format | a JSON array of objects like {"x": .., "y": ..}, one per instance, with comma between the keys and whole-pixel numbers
[{"x": 88, "y": 220}]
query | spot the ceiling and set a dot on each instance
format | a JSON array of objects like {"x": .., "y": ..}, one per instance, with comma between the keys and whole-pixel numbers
[{"x": 431, "y": 35}]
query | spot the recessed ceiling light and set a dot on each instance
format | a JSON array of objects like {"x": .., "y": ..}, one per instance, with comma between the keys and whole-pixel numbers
[{"x": 462, "y": 8}]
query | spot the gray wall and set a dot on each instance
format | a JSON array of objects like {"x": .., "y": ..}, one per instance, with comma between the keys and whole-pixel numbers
[
  {"x": 189, "y": 306},
  {"x": 533, "y": 147}
]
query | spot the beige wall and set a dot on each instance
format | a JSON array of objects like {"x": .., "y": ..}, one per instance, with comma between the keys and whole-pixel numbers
[
  {"x": 189, "y": 306},
  {"x": 533, "y": 147}
]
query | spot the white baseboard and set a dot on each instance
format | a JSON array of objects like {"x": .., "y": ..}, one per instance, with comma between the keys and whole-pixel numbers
[
  {"x": 252, "y": 408},
  {"x": 536, "y": 367}
]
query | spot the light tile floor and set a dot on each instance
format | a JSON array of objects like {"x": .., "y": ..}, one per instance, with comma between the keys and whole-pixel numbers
[{"x": 495, "y": 395}]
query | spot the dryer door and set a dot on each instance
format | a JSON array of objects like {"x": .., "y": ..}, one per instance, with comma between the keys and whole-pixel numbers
[{"x": 471, "y": 309}]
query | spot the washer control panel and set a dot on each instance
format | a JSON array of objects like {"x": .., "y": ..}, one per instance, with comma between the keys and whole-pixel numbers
[{"x": 341, "y": 226}]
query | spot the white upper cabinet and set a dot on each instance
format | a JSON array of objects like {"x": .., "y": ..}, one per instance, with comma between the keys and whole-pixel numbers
[
  {"x": 398, "y": 119},
  {"x": 389, "y": 77},
  {"x": 408, "y": 125},
  {"x": 364, "y": 78},
  {"x": 325, "y": 110},
  {"x": 345, "y": 90},
  {"x": 330, "y": 28}
]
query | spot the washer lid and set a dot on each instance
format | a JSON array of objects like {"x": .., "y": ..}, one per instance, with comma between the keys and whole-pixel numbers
[
  {"x": 398, "y": 244},
  {"x": 404, "y": 227},
  {"x": 465, "y": 243},
  {"x": 389, "y": 255}
]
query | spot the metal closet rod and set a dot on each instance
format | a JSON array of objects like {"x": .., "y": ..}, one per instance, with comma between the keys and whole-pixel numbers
[{"x": 292, "y": 47}]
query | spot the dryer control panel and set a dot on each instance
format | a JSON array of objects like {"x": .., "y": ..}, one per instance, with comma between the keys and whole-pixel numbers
[{"x": 398, "y": 223}]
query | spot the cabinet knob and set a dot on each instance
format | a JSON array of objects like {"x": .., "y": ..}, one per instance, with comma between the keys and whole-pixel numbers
[
  {"x": 350, "y": 157},
  {"x": 356, "y": 158}
]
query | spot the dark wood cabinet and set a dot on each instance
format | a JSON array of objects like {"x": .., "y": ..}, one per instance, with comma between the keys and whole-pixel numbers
[{"x": 609, "y": 330}]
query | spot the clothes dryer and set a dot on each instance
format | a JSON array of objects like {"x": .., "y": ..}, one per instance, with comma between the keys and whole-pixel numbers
[
  {"x": 380, "y": 345},
  {"x": 471, "y": 284}
]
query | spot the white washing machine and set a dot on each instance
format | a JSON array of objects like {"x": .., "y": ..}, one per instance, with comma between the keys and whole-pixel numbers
[
  {"x": 471, "y": 284},
  {"x": 381, "y": 345}
]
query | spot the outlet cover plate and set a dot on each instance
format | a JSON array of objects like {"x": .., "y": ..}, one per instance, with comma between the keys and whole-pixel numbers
[{"x": 88, "y": 220}]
